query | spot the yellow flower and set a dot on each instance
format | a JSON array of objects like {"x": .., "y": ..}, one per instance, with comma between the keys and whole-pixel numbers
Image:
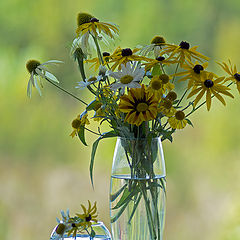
[
  {"x": 158, "y": 61},
  {"x": 122, "y": 56},
  {"x": 156, "y": 86},
  {"x": 95, "y": 62},
  {"x": 206, "y": 84},
  {"x": 166, "y": 107},
  {"x": 183, "y": 52},
  {"x": 89, "y": 24},
  {"x": 232, "y": 71},
  {"x": 78, "y": 122},
  {"x": 159, "y": 84},
  {"x": 139, "y": 105},
  {"x": 192, "y": 71},
  {"x": 178, "y": 121},
  {"x": 89, "y": 215}
]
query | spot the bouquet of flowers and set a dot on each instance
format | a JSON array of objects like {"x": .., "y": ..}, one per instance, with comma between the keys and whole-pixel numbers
[{"x": 135, "y": 92}]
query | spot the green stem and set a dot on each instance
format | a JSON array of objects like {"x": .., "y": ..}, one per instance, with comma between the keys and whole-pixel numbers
[
  {"x": 98, "y": 49},
  {"x": 148, "y": 210},
  {"x": 182, "y": 97},
  {"x": 66, "y": 92},
  {"x": 175, "y": 73}
]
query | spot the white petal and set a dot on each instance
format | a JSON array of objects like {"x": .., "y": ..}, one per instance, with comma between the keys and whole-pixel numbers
[
  {"x": 51, "y": 62},
  {"x": 51, "y": 76},
  {"x": 37, "y": 87},
  {"x": 116, "y": 75},
  {"x": 29, "y": 89},
  {"x": 116, "y": 86},
  {"x": 31, "y": 79}
]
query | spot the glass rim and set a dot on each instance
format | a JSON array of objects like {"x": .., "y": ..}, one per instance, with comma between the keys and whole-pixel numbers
[{"x": 138, "y": 138}]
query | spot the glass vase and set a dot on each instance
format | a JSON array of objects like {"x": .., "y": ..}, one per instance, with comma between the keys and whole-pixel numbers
[
  {"x": 138, "y": 189},
  {"x": 99, "y": 228}
]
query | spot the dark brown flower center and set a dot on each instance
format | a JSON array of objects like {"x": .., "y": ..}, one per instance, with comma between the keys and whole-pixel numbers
[
  {"x": 76, "y": 123},
  {"x": 94, "y": 20},
  {"x": 180, "y": 115},
  {"x": 237, "y": 76},
  {"x": 208, "y": 83},
  {"x": 89, "y": 218},
  {"x": 164, "y": 78},
  {"x": 160, "y": 58},
  {"x": 83, "y": 18},
  {"x": 31, "y": 66},
  {"x": 60, "y": 228},
  {"x": 158, "y": 40},
  {"x": 184, "y": 45},
  {"x": 73, "y": 225},
  {"x": 142, "y": 107},
  {"x": 156, "y": 84},
  {"x": 198, "y": 68},
  {"x": 126, "y": 52},
  {"x": 105, "y": 54},
  {"x": 171, "y": 96}
]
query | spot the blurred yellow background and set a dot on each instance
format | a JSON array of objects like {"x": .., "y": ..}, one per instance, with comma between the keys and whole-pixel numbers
[{"x": 43, "y": 170}]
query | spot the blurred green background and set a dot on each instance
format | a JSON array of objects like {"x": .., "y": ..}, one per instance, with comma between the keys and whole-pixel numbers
[{"x": 43, "y": 170}]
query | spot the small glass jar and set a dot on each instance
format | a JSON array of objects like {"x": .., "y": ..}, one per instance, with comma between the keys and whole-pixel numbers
[{"x": 99, "y": 228}]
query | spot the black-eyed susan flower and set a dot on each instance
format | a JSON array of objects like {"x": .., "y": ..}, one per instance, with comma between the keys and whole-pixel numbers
[
  {"x": 156, "y": 86},
  {"x": 38, "y": 72},
  {"x": 156, "y": 43},
  {"x": 122, "y": 56},
  {"x": 166, "y": 107},
  {"x": 159, "y": 84},
  {"x": 158, "y": 61},
  {"x": 129, "y": 76},
  {"x": 178, "y": 120},
  {"x": 139, "y": 106},
  {"x": 232, "y": 71},
  {"x": 193, "y": 70},
  {"x": 89, "y": 216},
  {"x": 78, "y": 122},
  {"x": 207, "y": 84},
  {"x": 182, "y": 53},
  {"x": 89, "y": 24}
]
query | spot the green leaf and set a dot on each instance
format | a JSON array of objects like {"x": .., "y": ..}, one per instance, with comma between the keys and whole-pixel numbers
[
  {"x": 79, "y": 56},
  {"x": 163, "y": 184},
  {"x": 115, "y": 218},
  {"x": 134, "y": 208},
  {"x": 124, "y": 198},
  {"x": 94, "y": 149},
  {"x": 156, "y": 70},
  {"x": 189, "y": 122},
  {"x": 167, "y": 135},
  {"x": 115, "y": 195},
  {"x": 92, "y": 105},
  {"x": 81, "y": 134}
]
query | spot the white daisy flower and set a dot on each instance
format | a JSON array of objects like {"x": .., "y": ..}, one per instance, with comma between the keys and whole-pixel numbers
[
  {"x": 38, "y": 72},
  {"x": 129, "y": 76}
]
